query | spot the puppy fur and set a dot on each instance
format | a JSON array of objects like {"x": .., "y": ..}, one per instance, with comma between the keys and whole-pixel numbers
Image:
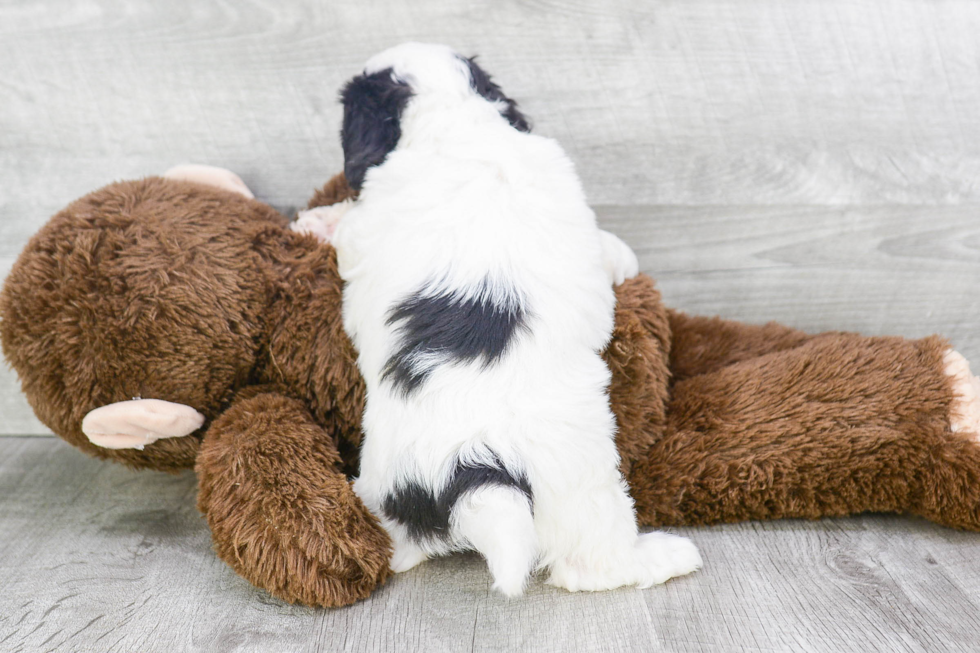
[{"x": 479, "y": 307}]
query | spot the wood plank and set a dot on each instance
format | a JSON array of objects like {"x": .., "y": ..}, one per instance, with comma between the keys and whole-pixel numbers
[
  {"x": 844, "y": 102},
  {"x": 903, "y": 270},
  {"x": 97, "y": 557},
  {"x": 834, "y": 585}
]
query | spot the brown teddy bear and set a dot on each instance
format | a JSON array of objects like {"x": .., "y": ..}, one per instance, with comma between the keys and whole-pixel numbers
[{"x": 175, "y": 321}]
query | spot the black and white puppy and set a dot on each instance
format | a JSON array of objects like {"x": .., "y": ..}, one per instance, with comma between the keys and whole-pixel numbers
[{"x": 479, "y": 295}]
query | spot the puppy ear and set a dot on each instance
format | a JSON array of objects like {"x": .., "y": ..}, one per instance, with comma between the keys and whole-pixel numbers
[
  {"x": 484, "y": 86},
  {"x": 373, "y": 107}
]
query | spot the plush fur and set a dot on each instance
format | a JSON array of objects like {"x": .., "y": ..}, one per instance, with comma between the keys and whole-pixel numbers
[
  {"x": 478, "y": 314},
  {"x": 187, "y": 293}
]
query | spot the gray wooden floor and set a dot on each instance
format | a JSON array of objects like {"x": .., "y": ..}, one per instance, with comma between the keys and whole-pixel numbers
[
  {"x": 811, "y": 161},
  {"x": 99, "y": 558}
]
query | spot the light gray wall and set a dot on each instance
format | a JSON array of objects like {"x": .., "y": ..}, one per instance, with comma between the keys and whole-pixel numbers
[{"x": 815, "y": 162}]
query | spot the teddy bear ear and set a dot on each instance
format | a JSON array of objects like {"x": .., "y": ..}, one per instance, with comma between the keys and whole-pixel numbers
[
  {"x": 209, "y": 176},
  {"x": 137, "y": 423}
]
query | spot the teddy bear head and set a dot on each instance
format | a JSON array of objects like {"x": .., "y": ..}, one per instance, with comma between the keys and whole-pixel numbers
[{"x": 143, "y": 289}]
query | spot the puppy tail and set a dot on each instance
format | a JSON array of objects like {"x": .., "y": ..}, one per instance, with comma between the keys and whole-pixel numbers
[{"x": 496, "y": 520}]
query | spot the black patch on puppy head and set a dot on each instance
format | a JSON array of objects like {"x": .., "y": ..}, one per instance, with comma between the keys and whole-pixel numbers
[
  {"x": 446, "y": 327},
  {"x": 426, "y": 516},
  {"x": 485, "y": 87},
  {"x": 373, "y": 107}
]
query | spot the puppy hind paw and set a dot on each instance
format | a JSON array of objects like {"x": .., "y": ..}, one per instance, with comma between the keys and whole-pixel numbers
[
  {"x": 965, "y": 410},
  {"x": 661, "y": 556},
  {"x": 407, "y": 556},
  {"x": 612, "y": 569},
  {"x": 575, "y": 578}
]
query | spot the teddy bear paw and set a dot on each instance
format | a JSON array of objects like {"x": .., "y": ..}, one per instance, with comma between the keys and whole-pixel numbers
[{"x": 965, "y": 411}]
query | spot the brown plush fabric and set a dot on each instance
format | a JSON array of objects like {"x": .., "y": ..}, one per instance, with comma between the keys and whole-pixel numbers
[
  {"x": 835, "y": 426},
  {"x": 335, "y": 190},
  {"x": 281, "y": 513},
  {"x": 176, "y": 291},
  {"x": 638, "y": 355},
  {"x": 142, "y": 289},
  {"x": 706, "y": 344},
  {"x": 308, "y": 351}
]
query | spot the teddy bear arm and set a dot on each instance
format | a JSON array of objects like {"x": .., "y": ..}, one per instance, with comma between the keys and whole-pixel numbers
[
  {"x": 335, "y": 190},
  {"x": 836, "y": 426},
  {"x": 703, "y": 344},
  {"x": 281, "y": 512}
]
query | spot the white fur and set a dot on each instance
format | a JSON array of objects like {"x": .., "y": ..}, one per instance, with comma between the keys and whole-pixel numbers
[
  {"x": 497, "y": 522},
  {"x": 464, "y": 197}
]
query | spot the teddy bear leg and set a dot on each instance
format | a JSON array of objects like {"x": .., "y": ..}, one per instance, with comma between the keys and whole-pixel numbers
[
  {"x": 209, "y": 176},
  {"x": 836, "y": 426},
  {"x": 281, "y": 513},
  {"x": 705, "y": 344}
]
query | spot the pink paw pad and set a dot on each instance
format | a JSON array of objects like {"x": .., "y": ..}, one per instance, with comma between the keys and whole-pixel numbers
[{"x": 965, "y": 410}]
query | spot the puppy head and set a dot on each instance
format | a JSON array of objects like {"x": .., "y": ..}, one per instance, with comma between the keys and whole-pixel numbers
[{"x": 375, "y": 100}]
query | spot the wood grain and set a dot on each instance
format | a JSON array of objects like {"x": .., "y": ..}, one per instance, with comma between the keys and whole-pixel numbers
[
  {"x": 708, "y": 102},
  {"x": 813, "y": 162},
  {"x": 902, "y": 270},
  {"x": 94, "y": 557}
]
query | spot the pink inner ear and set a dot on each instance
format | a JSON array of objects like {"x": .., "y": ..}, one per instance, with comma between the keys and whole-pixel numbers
[{"x": 136, "y": 423}]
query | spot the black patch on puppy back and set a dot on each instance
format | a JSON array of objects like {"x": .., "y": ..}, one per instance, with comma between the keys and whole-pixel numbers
[
  {"x": 373, "y": 107},
  {"x": 446, "y": 327},
  {"x": 418, "y": 510},
  {"x": 485, "y": 87},
  {"x": 426, "y": 516}
]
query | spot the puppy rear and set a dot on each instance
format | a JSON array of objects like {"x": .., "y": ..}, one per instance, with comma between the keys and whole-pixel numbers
[{"x": 479, "y": 295}]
